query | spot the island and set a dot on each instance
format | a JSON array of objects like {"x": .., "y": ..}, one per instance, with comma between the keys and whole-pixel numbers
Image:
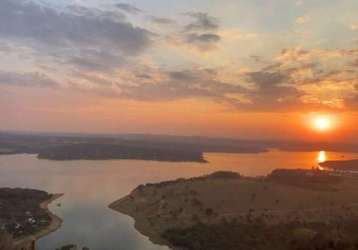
[
  {"x": 25, "y": 217},
  {"x": 288, "y": 209}
]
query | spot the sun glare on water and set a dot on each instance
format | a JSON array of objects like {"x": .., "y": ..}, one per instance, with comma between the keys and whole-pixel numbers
[{"x": 321, "y": 157}]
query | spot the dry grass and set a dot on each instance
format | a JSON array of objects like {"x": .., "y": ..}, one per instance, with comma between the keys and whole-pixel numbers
[{"x": 184, "y": 203}]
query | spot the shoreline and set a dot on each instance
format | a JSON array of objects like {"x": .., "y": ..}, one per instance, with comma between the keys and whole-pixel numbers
[
  {"x": 55, "y": 224},
  {"x": 139, "y": 224}
]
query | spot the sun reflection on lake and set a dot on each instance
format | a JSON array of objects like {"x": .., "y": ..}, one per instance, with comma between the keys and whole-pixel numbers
[{"x": 321, "y": 157}]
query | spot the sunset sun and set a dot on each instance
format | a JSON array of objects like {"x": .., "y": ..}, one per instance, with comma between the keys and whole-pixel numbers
[{"x": 322, "y": 123}]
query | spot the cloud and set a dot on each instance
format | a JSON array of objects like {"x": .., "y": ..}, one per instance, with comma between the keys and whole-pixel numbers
[
  {"x": 102, "y": 52},
  {"x": 200, "y": 34},
  {"x": 162, "y": 20},
  {"x": 93, "y": 60},
  {"x": 204, "y": 42},
  {"x": 296, "y": 79},
  {"x": 313, "y": 73},
  {"x": 128, "y": 8},
  {"x": 299, "y": 3},
  {"x": 159, "y": 85},
  {"x": 75, "y": 35},
  {"x": 182, "y": 75},
  {"x": 195, "y": 42},
  {"x": 26, "y": 79},
  {"x": 202, "y": 22},
  {"x": 27, "y": 20},
  {"x": 273, "y": 91},
  {"x": 203, "y": 38},
  {"x": 5, "y": 48}
]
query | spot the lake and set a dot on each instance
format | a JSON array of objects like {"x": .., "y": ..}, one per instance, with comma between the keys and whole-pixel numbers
[{"x": 90, "y": 186}]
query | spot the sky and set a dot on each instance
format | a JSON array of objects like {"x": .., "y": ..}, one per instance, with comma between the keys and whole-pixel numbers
[{"x": 243, "y": 68}]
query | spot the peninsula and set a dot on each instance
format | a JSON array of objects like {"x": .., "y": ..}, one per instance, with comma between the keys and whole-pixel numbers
[
  {"x": 341, "y": 165},
  {"x": 25, "y": 216},
  {"x": 288, "y": 209},
  {"x": 88, "y": 151}
]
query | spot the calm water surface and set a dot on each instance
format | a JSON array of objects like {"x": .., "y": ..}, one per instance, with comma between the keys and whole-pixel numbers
[{"x": 90, "y": 186}]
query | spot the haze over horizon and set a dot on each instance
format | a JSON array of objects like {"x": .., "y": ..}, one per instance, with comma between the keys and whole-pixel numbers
[{"x": 243, "y": 69}]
